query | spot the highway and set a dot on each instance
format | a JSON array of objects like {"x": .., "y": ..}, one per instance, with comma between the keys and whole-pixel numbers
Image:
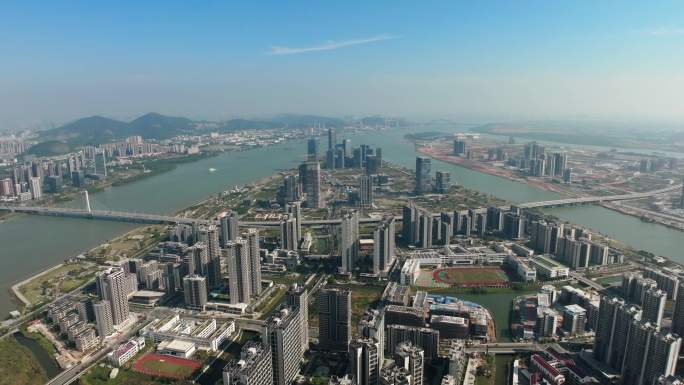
[{"x": 597, "y": 199}]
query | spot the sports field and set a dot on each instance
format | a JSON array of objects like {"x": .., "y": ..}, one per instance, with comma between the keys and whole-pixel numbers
[
  {"x": 166, "y": 366},
  {"x": 471, "y": 277}
]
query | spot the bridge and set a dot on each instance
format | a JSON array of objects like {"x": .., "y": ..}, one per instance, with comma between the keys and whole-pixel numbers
[
  {"x": 596, "y": 199},
  {"x": 169, "y": 219},
  {"x": 506, "y": 348},
  {"x": 104, "y": 215}
]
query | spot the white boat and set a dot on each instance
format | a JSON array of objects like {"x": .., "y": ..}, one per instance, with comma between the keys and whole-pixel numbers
[{"x": 212, "y": 169}]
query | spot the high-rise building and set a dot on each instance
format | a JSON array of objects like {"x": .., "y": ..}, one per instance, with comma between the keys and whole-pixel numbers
[
  {"x": 574, "y": 319},
  {"x": 311, "y": 181},
  {"x": 459, "y": 147},
  {"x": 547, "y": 322},
  {"x": 559, "y": 163},
  {"x": 172, "y": 277},
  {"x": 372, "y": 326},
  {"x": 442, "y": 182},
  {"x": 101, "y": 163},
  {"x": 615, "y": 320},
  {"x": 395, "y": 375},
  {"x": 425, "y": 338},
  {"x": 678, "y": 312},
  {"x": 364, "y": 362},
  {"x": 409, "y": 227},
  {"x": 252, "y": 236},
  {"x": 195, "y": 292},
  {"x": 653, "y": 306},
  {"x": 383, "y": 246},
  {"x": 254, "y": 367},
  {"x": 113, "y": 285},
  {"x": 666, "y": 282},
  {"x": 291, "y": 189},
  {"x": 289, "y": 238},
  {"x": 294, "y": 209},
  {"x": 298, "y": 300},
  {"x": 332, "y": 139},
  {"x": 36, "y": 188},
  {"x": 649, "y": 355},
  {"x": 312, "y": 149},
  {"x": 366, "y": 190},
  {"x": 229, "y": 227},
  {"x": 411, "y": 358},
  {"x": 416, "y": 226},
  {"x": 210, "y": 235},
  {"x": 197, "y": 259},
  {"x": 6, "y": 187},
  {"x": 103, "y": 318},
  {"x": 514, "y": 225},
  {"x": 349, "y": 241},
  {"x": 495, "y": 218},
  {"x": 236, "y": 255},
  {"x": 423, "y": 178},
  {"x": 334, "y": 306},
  {"x": 283, "y": 336},
  {"x": 425, "y": 229},
  {"x": 373, "y": 164}
]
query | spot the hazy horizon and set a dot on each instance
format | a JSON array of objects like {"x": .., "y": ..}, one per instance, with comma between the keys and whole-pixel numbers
[{"x": 470, "y": 62}]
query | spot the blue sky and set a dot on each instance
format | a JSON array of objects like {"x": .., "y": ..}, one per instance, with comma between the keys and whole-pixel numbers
[{"x": 479, "y": 60}]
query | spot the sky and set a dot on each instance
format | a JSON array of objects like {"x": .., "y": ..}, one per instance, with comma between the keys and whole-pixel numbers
[{"x": 473, "y": 61}]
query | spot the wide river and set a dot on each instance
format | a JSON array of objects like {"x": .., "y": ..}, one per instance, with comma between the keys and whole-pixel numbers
[{"x": 29, "y": 244}]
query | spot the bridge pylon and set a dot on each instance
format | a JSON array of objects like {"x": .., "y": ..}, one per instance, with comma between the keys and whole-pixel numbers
[{"x": 87, "y": 199}]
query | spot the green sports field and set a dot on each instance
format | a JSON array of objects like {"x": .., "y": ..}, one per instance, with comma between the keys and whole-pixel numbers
[{"x": 471, "y": 276}]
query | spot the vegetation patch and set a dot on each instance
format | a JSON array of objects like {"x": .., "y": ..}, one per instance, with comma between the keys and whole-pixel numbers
[{"x": 18, "y": 366}]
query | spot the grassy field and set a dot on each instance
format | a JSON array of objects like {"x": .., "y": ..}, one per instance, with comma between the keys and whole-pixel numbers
[
  {"x": 469, "y": 276},
  {"x": 129, "y": 245},
  {"x": 18, "y": 366},
  {"x": 285, "y": 279},
  {"x": 100, "y": 376},
  {"x": 268, "y": 305},
  {"x": 363, "y": 297},
  {"x": 61, "y": 280}
]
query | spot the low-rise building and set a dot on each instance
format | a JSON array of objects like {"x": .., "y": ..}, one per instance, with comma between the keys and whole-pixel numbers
[
  {"x": 205, "y": 334},
  {"x": 548, "y": 268},
  {"x": 126, "y": 351},
  {"x": 87, "y": 340}
]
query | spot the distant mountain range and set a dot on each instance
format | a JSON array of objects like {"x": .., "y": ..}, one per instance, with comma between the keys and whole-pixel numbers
[{"x": 96, "y": 130}]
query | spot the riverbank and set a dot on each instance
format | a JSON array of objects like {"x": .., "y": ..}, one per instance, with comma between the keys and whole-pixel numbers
[
  {"x": 546, "y": 186},
  {"x": 16, "y": 287},
  {"x": 490, "y": 170}
]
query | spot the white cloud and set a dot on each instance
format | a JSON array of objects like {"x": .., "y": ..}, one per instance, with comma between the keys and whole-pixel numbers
[
  {"x": 329, "y": 45},
  {"x": 667, "y": 31}
]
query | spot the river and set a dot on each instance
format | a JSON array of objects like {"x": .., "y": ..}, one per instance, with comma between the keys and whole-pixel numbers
[{"x": 29, "y": 244}]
